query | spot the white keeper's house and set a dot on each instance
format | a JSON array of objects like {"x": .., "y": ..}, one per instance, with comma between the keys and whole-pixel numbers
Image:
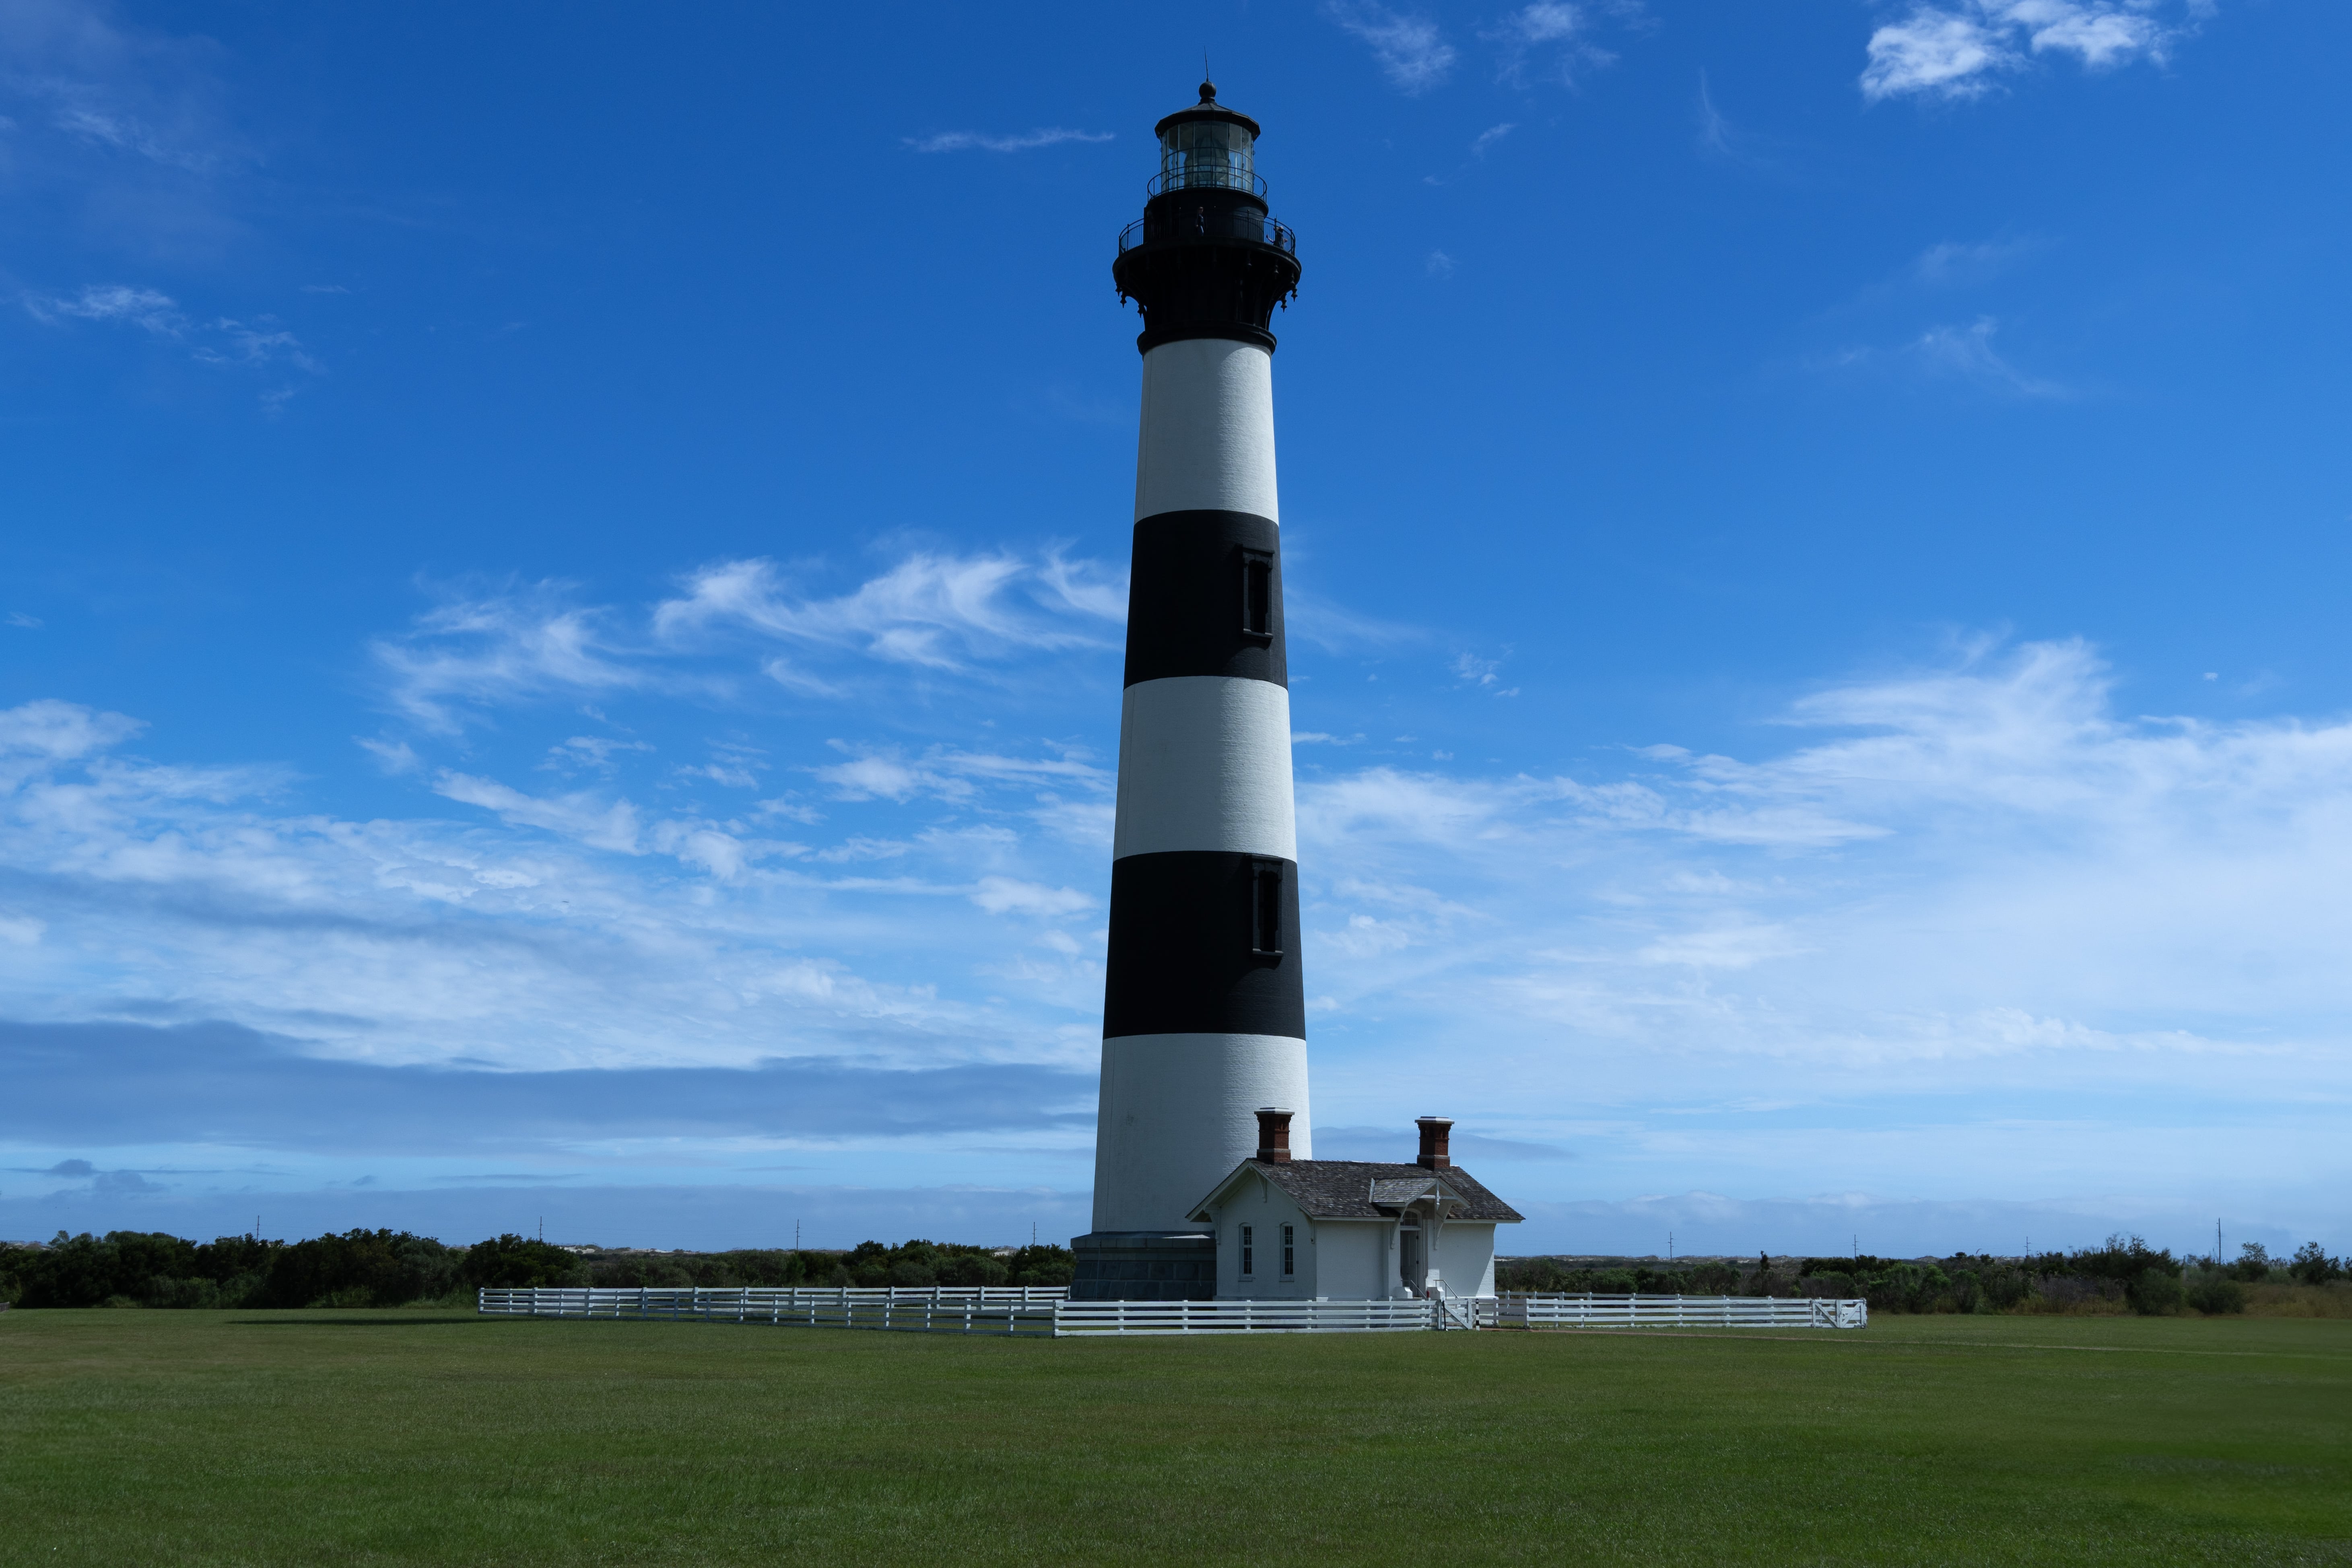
[{"x": 1301, "y": 1230}]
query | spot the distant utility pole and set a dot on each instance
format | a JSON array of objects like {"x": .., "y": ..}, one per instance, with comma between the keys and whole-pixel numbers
[
  {"x": 542, "y": 1227},
  {"x": 1670, "y": 1247},
  {"x": 2217, "y": 1241},
  {"x": 796, "y": 1236}
]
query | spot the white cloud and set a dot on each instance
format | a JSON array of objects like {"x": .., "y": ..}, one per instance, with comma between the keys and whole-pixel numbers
[
  {"x": 574, "y": 929},
  {"x": 1948, "y": 352},
  {"x": 1438, "y": 265},
  {"x": 1006, "y": 895},
  {"x": 1409, "y": 47},
  {"x": 1488, "y": 137},
  {"x": 598, "y": 824},
  {"x": 1558, "y": 32},
  {"x": 1968, "y": 353},
  {"x": 1979, "y": 865},
  {"x": 1023, "y": 141},
  {"x": 224, "y": 341},
  {"x": 1956, "y": 52},
  {"x": 108, "y": 89},
  {"x": 60, "y": 732},
  {"x": 943, "y": 613},
  {"x": 146, "y": 308},
  {"x": 1546, "y": 22},
  {"x": 392, "y": 756},
  {"x": 504, "y": 648},
  {"x": 947, "y": 773}
]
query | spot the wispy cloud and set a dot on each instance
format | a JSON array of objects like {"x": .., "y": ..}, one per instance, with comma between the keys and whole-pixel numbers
[
  {"x": 1948, "y": 353},
  {"x": 223, "y": 340},
  {"x": 932, "y": 611},
  {"x": 1411, "y": 51},
  {"x": 522, "y": 644},
  {"x": 942, "y": 614},
  {"x": 1554, "y": 39},
  {"x": 567, "y": 927},
  {"x": 1961, "y": 51},
  {"x": 1966, "y": 353},
  {"x": 1954, "y": 265},
  {"x": 1720, "y": 139},
  {"x": 984, "y": 142},
  {"x": 115, "y": 89},
  {"x": 145, "y": 308}
]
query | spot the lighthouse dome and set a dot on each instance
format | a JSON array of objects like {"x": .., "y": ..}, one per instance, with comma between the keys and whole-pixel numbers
[{"x": 1208, "y": 147}]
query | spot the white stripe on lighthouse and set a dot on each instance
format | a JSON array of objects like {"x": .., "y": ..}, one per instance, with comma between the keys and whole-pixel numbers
[
  {"x": 1179, "y": 1111},
  {"x": 1207, "y": 442},
  {"x": 1204, "y": 764}
]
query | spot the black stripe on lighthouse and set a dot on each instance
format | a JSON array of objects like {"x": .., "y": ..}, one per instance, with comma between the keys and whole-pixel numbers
[
  {"x": 1206, "y": 599},
  {"x": 1188, "y": 951}
]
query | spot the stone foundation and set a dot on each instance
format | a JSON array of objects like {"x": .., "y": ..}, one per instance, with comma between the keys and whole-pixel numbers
[{"x": 1145, "y": 1265}]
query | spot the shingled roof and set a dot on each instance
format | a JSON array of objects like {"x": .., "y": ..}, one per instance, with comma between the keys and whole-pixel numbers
[{"x": 1365, "y": 1189}]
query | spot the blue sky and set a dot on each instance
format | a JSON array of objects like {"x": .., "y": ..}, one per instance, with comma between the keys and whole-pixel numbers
[{"x": 563, "y": 572}]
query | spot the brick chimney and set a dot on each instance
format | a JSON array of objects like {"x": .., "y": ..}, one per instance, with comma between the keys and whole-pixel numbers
[
  {"x": 1273, "y": 1136},
  {"x": 1434, "y": 1130}
]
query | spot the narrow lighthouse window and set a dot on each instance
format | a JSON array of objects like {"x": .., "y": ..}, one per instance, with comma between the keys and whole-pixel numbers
[
  {"x": 1289, "y": 1252},
  {"x": 1266, "y": 908},
  {"x": 1257, "y": 593},
  {"x": 1248, "y": 1260}
]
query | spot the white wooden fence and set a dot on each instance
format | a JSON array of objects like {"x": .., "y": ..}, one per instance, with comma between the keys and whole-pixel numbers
[
  {"x": 970, "y": 1310},
  {"x": 1532, "y": 1311},
  {"x": 1261, "y": 1316},
  {"x": 1045, "y": 1311}
]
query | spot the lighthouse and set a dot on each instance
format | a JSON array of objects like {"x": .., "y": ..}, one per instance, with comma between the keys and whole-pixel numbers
[{"x": 1204, "y": 1010}]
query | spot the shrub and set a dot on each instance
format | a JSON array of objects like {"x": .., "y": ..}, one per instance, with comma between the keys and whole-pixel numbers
[
  {"x": 2215, "y": 1293},
  {"x": 2312, "y": 1265},
  {"x": 360, "y": 1268},
  {"x": 2155, "y": 1293},
  {"x": 2123, "y": 1260},
  {"x": 517, "y": 1262},
  {"x": 1041, "y": 1265},
  {"x": 2254, "y": 1265}
]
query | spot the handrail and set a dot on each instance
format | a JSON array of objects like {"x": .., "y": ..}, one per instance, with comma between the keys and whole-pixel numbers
[
  {"x": 1203, "y": 177},
  {"x": 1228, "y": 224}
]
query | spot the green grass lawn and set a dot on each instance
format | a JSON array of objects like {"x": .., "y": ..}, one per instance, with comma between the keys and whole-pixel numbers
[{"x": 354, "y": 1438}]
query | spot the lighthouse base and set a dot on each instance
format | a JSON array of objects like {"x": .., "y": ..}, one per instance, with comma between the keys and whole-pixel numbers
[{"x": 1145, "y": 1265}]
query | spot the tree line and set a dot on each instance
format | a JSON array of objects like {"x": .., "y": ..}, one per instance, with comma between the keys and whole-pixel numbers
[
  {"x": 394, "y": 1268},
  {"x": 2122, "y": 1272}
]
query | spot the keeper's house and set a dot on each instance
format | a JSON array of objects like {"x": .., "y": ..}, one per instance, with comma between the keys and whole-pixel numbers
[{"x": 1352, "y": 1230}]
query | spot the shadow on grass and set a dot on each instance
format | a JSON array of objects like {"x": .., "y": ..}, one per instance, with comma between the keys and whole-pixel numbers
[{"x": 361, "y": 1323}]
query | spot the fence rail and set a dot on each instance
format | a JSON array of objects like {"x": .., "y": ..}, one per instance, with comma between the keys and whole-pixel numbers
[
  {"x": 1535, "y": 1312},
  {"x": 1261, "y": 1316},
  {"x": 970, "y": 1310},
  {"x": 1047, "y": 1312}
]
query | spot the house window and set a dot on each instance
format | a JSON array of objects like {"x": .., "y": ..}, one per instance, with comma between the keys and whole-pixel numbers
[
  {"x": 1257, "y": 595},
  {"x": 1289, "y": 1251},
  {"x": 1266, "y": 908},
  {"x": 1248, "y": 1259}
]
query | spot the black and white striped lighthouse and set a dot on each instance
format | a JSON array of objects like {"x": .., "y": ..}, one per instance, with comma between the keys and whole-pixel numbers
[{"x": 1205, "y": 1004}]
